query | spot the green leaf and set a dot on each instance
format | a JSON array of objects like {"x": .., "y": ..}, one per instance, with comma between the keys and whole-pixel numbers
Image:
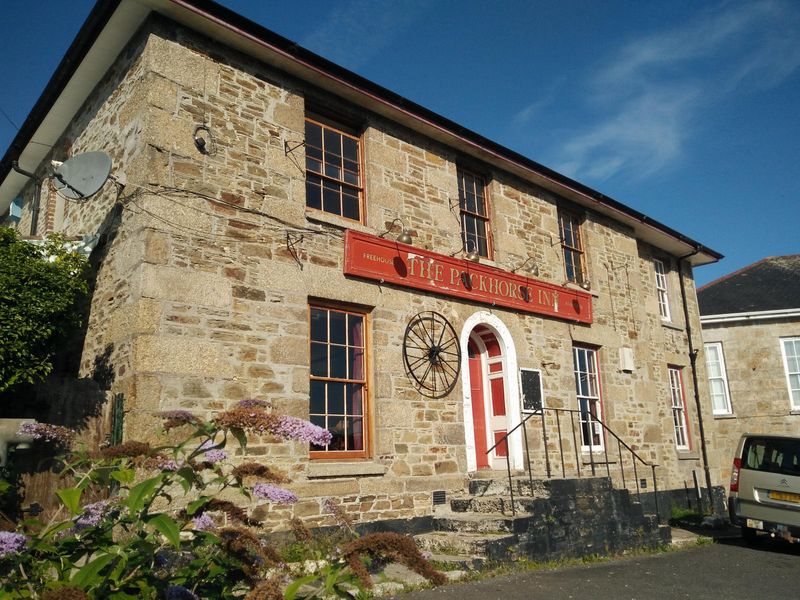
[
  {"x": 90, "y": 571},
  {"x": 290, "y": 593},
  {"x": 240, "y": 436},
  {"x": 187, "y": 478},
  {"x": 192, "y": 507},
  {"x": 167, "y": 527},
  {"x": 71, "y": 498},
  {"x": 139, "y": 494},
  {"x": 124, "y": 476}
]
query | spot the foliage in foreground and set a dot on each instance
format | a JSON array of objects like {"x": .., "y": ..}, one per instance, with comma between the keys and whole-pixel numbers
[
  {"x": 154, "y": 522},
  {"x": 40, "y": 291}
]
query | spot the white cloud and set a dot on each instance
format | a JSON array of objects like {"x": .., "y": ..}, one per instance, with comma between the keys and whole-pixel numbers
[
  {"x": 651, "y": 90},
  {"x": 356, "y": 30}
]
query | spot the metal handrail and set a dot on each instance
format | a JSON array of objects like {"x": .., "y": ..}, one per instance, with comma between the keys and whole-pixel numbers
[{"x": 591, "y": 420}]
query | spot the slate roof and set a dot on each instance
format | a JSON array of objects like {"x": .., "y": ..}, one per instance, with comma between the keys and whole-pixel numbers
[{"x": 770, "y": 284}]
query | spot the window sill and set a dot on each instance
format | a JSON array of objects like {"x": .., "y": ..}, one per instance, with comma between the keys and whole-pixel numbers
[
  {"x": 319, "y": 216},
  {"x": 574, "y": 286},
  {"x": 686, "y": 455},
  {"x": 728, "y": 416},
  {"x": 794, "y": 411},
  {"x": 671, "y": 325},
  {"x": 343, "y": 469}
]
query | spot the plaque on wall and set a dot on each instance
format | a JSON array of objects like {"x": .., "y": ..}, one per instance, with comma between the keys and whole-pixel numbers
[{"x": 531, "y": 385}]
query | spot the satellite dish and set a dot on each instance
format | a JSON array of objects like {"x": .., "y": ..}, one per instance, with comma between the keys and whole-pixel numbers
[{"x": 82, "y": 176}]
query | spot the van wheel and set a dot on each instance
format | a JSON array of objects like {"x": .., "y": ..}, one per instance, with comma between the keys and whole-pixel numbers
[{"x": 749, "y": 535}]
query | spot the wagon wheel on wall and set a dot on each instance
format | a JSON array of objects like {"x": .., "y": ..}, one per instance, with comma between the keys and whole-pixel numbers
[{"x": 432, "y": 354}]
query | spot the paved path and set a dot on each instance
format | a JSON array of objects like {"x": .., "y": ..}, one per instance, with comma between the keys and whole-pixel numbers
[{"x": 724, "y": 570}]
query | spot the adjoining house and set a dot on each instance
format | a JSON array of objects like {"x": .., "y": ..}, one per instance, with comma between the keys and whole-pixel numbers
[
  {"x": 278, "y": 227},
  {"x": 751, "y": 334}
]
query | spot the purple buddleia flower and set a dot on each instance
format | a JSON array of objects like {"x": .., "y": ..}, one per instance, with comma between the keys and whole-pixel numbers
[
  {"x": 11, "y": 543},
  {"x": 206, "y": 446},
  {"x": 166, "y": 464},
  {"x": 204, "y": 522},
  {"x": 303, "y": 431},
  {"x": 215, "y": 456},
  {"x": 267, "y": 491},
  {"x": 252, "y": 403},
  {"x": 48, "y": 433},
  {"x": 178, "y": 592},
  {"x": 92, "y": 515}
]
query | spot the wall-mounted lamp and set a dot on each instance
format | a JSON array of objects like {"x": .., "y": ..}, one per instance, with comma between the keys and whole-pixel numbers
[
  {"x": 531, "y": 270},
  {"x": 470, "y": 255},
  {"x": 204, "y": 140},
  {"x": 405, "y": 234}
]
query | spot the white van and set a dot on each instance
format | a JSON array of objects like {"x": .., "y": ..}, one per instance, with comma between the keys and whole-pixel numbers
[{"x": 765, "y": 486}]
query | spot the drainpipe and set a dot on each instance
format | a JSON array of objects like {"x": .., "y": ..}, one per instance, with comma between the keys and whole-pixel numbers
[
  {"x": 37, "y": 193},
  {"x": 693, "y": 365}
]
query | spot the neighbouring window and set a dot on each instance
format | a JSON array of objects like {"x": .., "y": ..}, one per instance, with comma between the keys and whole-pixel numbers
[
  {"x": 474, "y": 213},
  {"x": 338, "y": 383},
  {"x": 791, "y": 364},
  {"x": 333, "y": 171},
  {"x": 678, "y": 408},
  {"x": 717, "y": 379},
  {"x": 587, "y": 387},
  {"x": 572, "y": 246},
  {"x": 661, "y": 289}
]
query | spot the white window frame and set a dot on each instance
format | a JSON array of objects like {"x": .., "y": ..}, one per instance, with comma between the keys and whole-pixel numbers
[
  {"x": 587, "y": 390},
  {"x": 722, "y": 378},
  {"x": 678, "y": 406},
  {"x": 662, "y": 292},
  {"x": 791, "y": 374}
]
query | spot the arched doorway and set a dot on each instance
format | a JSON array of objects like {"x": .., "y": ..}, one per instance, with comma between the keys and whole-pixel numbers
[{"x": 491, "y": 393}]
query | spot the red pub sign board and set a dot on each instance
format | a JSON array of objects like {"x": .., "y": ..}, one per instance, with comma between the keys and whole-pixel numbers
[{"x": 387, "y": 261}]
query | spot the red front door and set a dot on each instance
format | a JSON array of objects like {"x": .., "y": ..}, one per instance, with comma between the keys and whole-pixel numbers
[{"x": 478, "y": 408}]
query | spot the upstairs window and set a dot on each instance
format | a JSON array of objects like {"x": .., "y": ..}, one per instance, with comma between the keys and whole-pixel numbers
[
  {"x": 678, "y": 402},
  {"x": 474, "y": 213},
  {"x": 717, "y": 379},
  {"x": 333, "y": 171},
  {"x": 572, "y": 246},
  {"x": 661, "y": 289},
  {"x": 790, "y": 347}
]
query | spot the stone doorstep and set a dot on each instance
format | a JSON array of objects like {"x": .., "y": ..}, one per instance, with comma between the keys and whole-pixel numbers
[
  {"x": 491, "y": 545},
  {"x": 475, "y": 523}
]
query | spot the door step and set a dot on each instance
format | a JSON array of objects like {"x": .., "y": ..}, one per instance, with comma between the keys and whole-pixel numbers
[{"x": 468, "y": 546}]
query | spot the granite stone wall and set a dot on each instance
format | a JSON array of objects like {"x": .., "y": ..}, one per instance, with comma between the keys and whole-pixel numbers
[{"x": 209, "y": 261}]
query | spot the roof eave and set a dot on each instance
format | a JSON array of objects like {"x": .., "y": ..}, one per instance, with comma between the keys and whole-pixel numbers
[{"x": 112, "y": 23}]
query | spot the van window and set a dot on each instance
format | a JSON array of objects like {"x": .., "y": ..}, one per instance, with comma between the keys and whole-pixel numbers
[{"x": 772, "y": 455}]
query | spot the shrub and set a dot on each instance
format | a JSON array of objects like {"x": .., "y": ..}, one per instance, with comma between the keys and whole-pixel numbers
[
  {"x": 40, "y": 291},
  {"x": 139, "y": 521}
]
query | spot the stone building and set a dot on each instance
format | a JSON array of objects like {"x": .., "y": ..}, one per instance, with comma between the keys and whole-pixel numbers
[
  {"x": 751, "y": 332},
  {"x": 249, "y": 249}
]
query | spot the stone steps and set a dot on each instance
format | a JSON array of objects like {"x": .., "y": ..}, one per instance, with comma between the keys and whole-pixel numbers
[
  {"x": 475, "y": 523},
  {"x": 554, "y": 518}
]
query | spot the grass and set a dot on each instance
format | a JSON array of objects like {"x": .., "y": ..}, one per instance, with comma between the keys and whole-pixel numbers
[{"x": 685, "y": 516}]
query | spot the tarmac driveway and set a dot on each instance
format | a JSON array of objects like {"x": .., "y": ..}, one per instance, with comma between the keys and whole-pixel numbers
[{"x": 726, "y": 569}]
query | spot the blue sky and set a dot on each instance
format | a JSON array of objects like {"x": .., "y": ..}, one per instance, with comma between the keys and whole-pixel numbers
[{"x": 684, "y": 110}]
